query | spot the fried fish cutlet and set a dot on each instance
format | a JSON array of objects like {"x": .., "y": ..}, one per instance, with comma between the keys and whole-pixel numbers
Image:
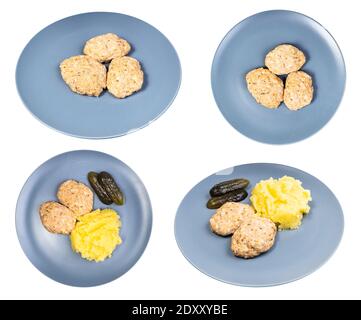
[
  {"x": 57, "y": 218},
  {"x": 254, "y": 237},
  {"x": 265, "y": 87},
  {"x": 76, "y": 196},
  {"x": 106, "y": 47},
  {"x": 285, "y": 59},
  {"x": 125, "y": 77},
  {"x": 229, "y": 217},
  {"x": 299, "y": 90},
  {"x": 84, "y": 75}
]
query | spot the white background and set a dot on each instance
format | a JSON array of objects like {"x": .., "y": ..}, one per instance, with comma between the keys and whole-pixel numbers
[{"x": 180, "y": 146}]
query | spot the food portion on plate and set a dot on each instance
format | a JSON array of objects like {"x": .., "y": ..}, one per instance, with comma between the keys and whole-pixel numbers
[
  {"x": 284, "y": 201},
  {"x": 265, "y": 87},
  {"x": 84, "y": 75},
  {"x": 125, "y": 76},
  {"x": 228, "y": 218},
  {"x": 285, "y": 59},
  {"x": 269, "y": 90},
  {"x": 76, "y": 196},
  {"x": 96, "y": 235},
  {"x": 57, "y": 218},
  {"x": 228, "y": 191},
  {"x": 106, "y": 188},
  {"x": 87, "y": 74},
  {"x": 298, "y": 90},
  {"x": 93, "y": 234},
  {"x": 106, "y": 47},
  {"x": 276, "y": 204},
  {"x": 254, "y": 237}
]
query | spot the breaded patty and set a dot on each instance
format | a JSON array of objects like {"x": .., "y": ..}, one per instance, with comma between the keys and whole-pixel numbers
[
  {"x": 265, "y": 87},
  {"x": 285, "y": 59},
  {"x": 254, "y": 237},
  {"x": 229, "y": 217},
  {"x": 299, "y": 90},
  {"x": 76, "y": 196},
  {"x": 84, "y": 75},
  {"x": 125, "y": 77},
  {"x": 106, "y": 47},
  {"x": 57, "y": 218}
]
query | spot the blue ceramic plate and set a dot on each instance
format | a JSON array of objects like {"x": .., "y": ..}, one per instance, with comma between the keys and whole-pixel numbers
[
  {"x": 245, "y": 47},
  {"x": 295, "y": 255},
  {"x": 50, "y": 100},
  {"x": 52, "y": 254}
]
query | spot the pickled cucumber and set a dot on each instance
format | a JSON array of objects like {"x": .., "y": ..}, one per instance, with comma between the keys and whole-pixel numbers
[
  {"x": 228, "y": 186},
  {"x": 98, "y": 189},
  {"x": 111, "y": 188},
  {"x": 234, "y": 196}
]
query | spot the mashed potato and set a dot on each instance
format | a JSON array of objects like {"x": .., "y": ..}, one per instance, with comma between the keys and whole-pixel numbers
[
  {"x": 96, "y": 235},
  {"x": 284, "y": 201}
]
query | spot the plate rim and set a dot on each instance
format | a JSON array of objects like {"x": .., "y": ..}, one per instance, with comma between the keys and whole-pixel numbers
[
  {"x": 218, "y": 50},
  {"x": 266, "y": 285},
  {"x": 20, "y": 238},
  {"x": 104, "y": 137}
]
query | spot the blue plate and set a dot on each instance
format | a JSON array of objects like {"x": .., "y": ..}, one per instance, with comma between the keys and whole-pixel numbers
[
  {"x": 245, "y": 47},
  {"x": 50, "y": 100},
  {"x": 295, "y": 255},
  {"x": 52, "y": 254}
]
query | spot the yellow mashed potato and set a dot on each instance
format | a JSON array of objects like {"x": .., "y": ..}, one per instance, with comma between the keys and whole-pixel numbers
[
  {"x": 284, "y": 201},
  {"x": 96, "y": 235}
]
